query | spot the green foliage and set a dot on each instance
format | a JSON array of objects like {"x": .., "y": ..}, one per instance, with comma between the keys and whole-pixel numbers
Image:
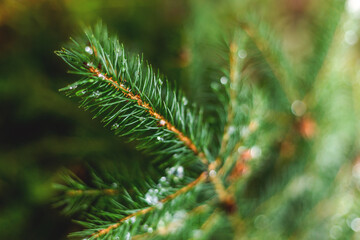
[
  {"x": 280, "y": 135},
  {"x": 128, "y": 117}
]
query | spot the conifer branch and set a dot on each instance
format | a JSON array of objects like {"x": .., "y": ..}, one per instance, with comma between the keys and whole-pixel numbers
[
  {"x": 146, "y": 108},
  {"x": 162, "y": 122},
  {"x": 144, "y": 211}
]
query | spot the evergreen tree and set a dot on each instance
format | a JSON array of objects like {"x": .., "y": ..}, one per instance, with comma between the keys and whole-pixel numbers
[{"x": 263, "y": 152}]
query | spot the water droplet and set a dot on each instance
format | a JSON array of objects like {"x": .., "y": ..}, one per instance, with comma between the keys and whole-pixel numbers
[
  {"x": 95, "y": 94},
  {"x": 129, "y": 90},
  {"x": 128, "y": 236},
  {"x": 132, "y": 219},
  {"x": 123, "y": 69},
  {"x": 160, "y": 139},
  {"x": 355, "y": 225},
  {"x": 298, "y": 108},
  {"x": 73, "y": 87},
  {"x": 255, "y": 152},
  {"x": 180, "y": 172},
  {"x": 212, "y": 173},
  {"x": 89, "y": 50},
  {"x": 89, "y": 64},
  {"x": 224, "y": 80},
  {"x": 163, "y": 179},
  {"x": 145, "y": 227},
  {"x": 114, "y": 185},
  {"x": 231, "y": 130},
  {"x": 101, "y": 76},
  {"x": 162, "y": 123},
  {"x": 151, "y": 197},
  {"x": 150, "y": 230},
  {"x": 159, "y": 205},
  {"x": 351, "y": 37},
  {"x": 242, "y": 53},
  {"x": 170, "y": 171},
  {"x": 185, "y": 101},
  {"x": 115, "y": 126},
  {"x": 161, "y": 81}
]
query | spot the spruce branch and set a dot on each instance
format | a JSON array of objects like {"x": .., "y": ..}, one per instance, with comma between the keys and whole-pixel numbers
[
  {"x": 183, "y": 190},
  {"x": 132, "y": 99}
]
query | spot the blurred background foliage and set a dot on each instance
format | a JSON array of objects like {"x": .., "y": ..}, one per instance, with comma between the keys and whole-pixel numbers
[{"x": 42, "y": 132}]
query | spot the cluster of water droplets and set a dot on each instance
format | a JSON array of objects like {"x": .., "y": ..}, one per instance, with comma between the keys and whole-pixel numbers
[
  {"x": 95, "y": 94},
  {"x": 115, "y": 126},
  {"x": 154, "y": 195},
  {"x": 146, "y": 228}
]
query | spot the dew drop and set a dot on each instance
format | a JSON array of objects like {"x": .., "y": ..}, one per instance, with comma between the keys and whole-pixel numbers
[
  {"x": 115, "y": 126},
  {"x": 161, "y": 81},
  {"x": 185, "y": 101},
  {"x": 162, "y": 123},
  {"x": 231, "y": 130},
  {"x": 180, "y": 172},
  {"x": 212, "y": 173},
  {"x": 133, "y": 219},
  {"x": 255, "y": 152},
  {"x": 224, "y": 80},
  {"x": 170, "y": 171},
  {"x": 150, "y": 230},
  {"x": 160, "y": 139},
  {"x": 242, "y": 53},
  {"x": 89, "y": 50},
  {"x": 163, "y": 179},
  {"x": 95, "y": 94},
  {"x": 298, "y": 108},
  {"x": 159, "y": 205},
  {"x": 145, "y": 227}
]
